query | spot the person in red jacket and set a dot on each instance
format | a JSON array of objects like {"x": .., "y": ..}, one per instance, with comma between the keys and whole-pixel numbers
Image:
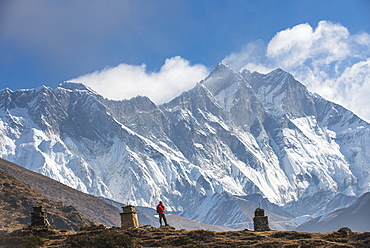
[{"x": 160, "y": 211}]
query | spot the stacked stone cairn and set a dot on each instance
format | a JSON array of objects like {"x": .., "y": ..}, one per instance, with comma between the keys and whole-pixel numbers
[
  {"x": 129, "y": 217},
  {"x": 260, "y": 221},
  {"x": 39, "y": 217}
]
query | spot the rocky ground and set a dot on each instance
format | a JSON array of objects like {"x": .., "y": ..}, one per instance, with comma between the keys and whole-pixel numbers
[{"x": 99, "y": 236}]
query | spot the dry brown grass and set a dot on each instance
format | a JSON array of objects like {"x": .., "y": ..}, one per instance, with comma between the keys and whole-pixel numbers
[
  {"x": 90, "y": 206},
  {"x": 17, "y": 200},
  {"x": 99, "y": 236}
]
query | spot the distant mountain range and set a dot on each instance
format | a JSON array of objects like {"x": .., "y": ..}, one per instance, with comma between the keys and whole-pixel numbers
[
  {"x": 356, "y": 217},
  {"x": 235, "y": 141}
]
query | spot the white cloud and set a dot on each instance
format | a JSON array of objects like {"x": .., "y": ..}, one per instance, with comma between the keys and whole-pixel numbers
[
  {"x": 354, "y": 88},
  {"x": 291, "y": 46},
  {"x": 125, "y": 81},
  {"x": 251, "y": 55},
  {"x": 328, "y": 60}
]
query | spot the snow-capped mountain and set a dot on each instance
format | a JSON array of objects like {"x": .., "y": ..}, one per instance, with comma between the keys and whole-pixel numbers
[
  {"x": 234, "y": 134},
  {"x": 356, "y": 217}
]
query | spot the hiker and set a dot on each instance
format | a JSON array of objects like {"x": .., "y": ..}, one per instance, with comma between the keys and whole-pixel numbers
[{"x": 160, "y": 211}]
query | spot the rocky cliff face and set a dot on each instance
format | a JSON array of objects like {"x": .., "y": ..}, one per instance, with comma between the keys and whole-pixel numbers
[{"x": 233, "y": 134}]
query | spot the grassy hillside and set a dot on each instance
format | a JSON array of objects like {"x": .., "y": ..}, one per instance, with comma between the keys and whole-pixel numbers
[
  {"x": 90, "y": 206},
  {"x": 17, "y": 200}
]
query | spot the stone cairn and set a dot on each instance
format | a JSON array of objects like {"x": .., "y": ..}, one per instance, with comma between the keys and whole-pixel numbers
[
  {"x": 129, "y": 217},
  {"x": 39, "y": 217},
  {"x": 260, "y": 221}
]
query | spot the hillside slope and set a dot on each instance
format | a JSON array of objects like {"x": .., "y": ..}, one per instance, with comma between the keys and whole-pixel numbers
[
  {"x": 88, "y": 205},
  {"x": 17, "y": 200}
]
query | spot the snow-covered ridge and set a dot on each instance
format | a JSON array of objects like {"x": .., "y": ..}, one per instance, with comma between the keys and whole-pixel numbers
[
  {"x": 74, "y": 86},
  {"x": 235, "y": 133}
]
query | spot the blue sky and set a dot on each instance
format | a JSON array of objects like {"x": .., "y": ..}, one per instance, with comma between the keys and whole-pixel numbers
[{"x": 160, "y": 48}]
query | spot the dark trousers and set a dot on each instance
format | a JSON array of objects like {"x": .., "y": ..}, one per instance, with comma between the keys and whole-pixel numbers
[{"x": 162, "y": 216}]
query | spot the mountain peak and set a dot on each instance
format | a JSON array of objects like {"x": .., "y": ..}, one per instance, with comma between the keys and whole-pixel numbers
[
  {"x": 74, "y": 86},
  {"x": 222, "y": 77},
  {"x": 275, "y": 77},
  {"x": 224, "y": 64},
  {"x": 279, "y": 73},
  {"x": 278, "y": 70}
]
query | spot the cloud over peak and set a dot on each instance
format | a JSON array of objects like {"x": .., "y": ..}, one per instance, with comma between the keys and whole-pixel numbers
[
  {"x": 125, "y": 81},
  {"x": 328, "y": 59},
  {"x": 328, "y": 42}
]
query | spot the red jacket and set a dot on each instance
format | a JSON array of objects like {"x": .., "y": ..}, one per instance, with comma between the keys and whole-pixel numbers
[{"x": 160, "y": 209}]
